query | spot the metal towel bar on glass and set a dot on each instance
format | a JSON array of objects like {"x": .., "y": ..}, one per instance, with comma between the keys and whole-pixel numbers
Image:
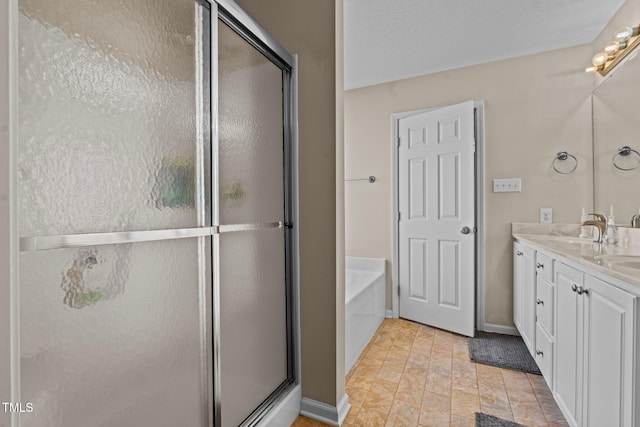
[{"x": 371, "y": 179}]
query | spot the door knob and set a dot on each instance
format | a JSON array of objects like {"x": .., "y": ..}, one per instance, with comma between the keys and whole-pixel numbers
[{"x": 465, "y": 230}]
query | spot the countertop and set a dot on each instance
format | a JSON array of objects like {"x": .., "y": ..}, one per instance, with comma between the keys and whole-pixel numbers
[{"x": 620, "y": 261}]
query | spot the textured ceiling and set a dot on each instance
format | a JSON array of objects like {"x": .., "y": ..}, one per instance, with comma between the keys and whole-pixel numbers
[{"x": 387, "y": 40}]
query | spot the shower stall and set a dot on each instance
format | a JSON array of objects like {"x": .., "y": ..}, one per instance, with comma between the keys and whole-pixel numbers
[{"x": 155, "y": 173}]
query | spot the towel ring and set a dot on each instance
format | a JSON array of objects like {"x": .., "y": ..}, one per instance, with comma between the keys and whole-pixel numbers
[
  {"x": 563, "y": 155},
  {"x": 624, "y": 151}
]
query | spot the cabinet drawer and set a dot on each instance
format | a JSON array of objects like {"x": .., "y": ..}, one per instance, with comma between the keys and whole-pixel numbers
[
  {"x": 544, "y": 305},
  {"x": 544, "y": 266},
  {"x": 544, "y": 355}
]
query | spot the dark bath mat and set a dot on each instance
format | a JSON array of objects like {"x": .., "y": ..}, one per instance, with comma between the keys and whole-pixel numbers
[
  {"x": 503, "y": 351},
  {"x": 486, "y": 420}
]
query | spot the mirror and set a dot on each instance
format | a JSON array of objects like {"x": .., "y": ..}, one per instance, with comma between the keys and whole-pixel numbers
[{"x": 616, "y": 106}]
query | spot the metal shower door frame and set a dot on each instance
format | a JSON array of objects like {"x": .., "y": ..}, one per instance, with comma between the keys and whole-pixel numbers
[{"x": 246, "y": 27}]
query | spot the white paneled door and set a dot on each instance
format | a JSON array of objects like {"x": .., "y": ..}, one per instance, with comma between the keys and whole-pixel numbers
[{"x": 436, "y": 227}]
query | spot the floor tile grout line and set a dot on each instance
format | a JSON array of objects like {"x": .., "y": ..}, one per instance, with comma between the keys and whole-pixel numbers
[{"x": 513, "y": 415}]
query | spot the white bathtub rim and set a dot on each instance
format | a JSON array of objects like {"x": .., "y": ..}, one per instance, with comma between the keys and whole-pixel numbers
[{"x": 364, "y": 281}]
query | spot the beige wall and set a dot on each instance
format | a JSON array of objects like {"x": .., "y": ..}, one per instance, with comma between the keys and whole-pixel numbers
[
  {"x": 535, "y": 106},
  {"x": 307, "y": 28}
]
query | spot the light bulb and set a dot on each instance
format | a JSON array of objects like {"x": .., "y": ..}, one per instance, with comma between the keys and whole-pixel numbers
[
  {"x": 591, "y": 69},
  {"x": 612, "y": 48},
  {"x": 623, "y": 34},
  {"x": 599, "y": 59}
]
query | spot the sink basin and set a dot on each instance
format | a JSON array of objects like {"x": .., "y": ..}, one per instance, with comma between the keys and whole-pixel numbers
[
  {"x": 571, "y": 239},
  {"x": 627, "y": 261}
]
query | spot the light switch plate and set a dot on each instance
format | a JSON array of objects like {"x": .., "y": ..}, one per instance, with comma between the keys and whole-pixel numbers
[
  {"x": 546, "y": 215},
  {"x": 508, "y": 185}
]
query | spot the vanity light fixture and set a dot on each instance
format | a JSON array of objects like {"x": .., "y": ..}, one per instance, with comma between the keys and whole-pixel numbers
[{"x": 624, "y": 41}]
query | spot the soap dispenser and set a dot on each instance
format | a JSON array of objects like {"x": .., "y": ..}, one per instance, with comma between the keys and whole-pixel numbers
[
  {"x": 611, "y": 235},
  {"x": 635, "y": 220}
]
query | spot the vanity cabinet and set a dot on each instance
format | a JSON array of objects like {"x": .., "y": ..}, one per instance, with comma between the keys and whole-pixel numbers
[
  {"x": 583, "y": 329},
  {"x": 524, "y": 292},
  {"x": 595, "y": 350}
]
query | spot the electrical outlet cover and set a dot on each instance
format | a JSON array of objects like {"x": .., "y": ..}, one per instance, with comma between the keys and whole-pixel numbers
[{"x": 546, "y": 215}]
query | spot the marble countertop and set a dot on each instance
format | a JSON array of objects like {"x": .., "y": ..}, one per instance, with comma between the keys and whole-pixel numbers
[{"x": 620, "y": 261}]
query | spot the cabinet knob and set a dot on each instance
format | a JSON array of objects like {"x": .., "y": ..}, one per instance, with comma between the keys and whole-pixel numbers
[
  {"x": 539, "y": 352},
  {"x": 574, "y": 287},
  {"x": 539, "y": 265},
  {"x": 582, "y": 290},
  {"x": 539, "y": 302},
  {"x": 518, "y": 253}
]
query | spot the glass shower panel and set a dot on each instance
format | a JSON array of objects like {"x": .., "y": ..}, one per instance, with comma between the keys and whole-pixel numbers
[
  {"x": 253, "y": 320},
  {"x": 253, "y": 288},
  {"x": 107, "y": 116},
  {"x": 251, "y": 135},
  {"x": 113, "y": 137},
  {"x": 111, "y": 335}
]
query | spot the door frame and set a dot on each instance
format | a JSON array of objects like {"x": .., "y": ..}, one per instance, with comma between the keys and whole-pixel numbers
[{"x": 478, "y": 109}]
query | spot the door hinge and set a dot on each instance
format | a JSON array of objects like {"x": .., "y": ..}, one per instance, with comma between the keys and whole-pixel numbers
[
  {"x": 398, "y": 141},
  {"x": 398, "y": 216},
  {"x": 398, "y": 290}
]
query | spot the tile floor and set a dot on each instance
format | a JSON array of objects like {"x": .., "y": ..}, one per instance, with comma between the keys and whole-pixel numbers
[{"x": 413, "y": 375}]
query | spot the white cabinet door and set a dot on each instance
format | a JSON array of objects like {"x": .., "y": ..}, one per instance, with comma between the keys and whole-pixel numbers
[
  {"x": 524, "y": 293},
  {"x": 528, "y": 331},
  {"x": 568, "y": 349},
  {"x": 518, "y": 285},
  {"x": 608, "y": 363},
  {"x": 594, "y": 382}
]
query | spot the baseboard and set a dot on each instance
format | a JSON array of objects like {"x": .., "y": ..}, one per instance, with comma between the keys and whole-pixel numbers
[
  {"x": 322, "y": 412},
  {"x": 389, "y": 314},
  {"x": 285, "y": 412},
  {"x": 500, "y": 329}
]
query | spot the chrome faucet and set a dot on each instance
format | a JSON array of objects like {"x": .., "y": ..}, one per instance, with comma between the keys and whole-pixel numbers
[{"x": 600, "y": 223}]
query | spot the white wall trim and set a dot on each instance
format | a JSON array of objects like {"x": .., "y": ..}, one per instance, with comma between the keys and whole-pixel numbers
[
  {"x": 499, "y": 329},
  {"x": 285, "y": 412},
  {"x": 325, "y": 413},
  {"x": 480, "y": 224},
  {"x": 479, "y": 203},
  {"x": 389, "y": 314}
]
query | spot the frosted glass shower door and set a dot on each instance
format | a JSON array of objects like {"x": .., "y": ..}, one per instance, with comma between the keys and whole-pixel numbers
[
  {"x": 115, "y": 213},
  {"x": 255, "y": 304}
]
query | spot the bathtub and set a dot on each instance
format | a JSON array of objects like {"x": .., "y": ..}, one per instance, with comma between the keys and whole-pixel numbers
[{"x": 365, "y": 284}]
